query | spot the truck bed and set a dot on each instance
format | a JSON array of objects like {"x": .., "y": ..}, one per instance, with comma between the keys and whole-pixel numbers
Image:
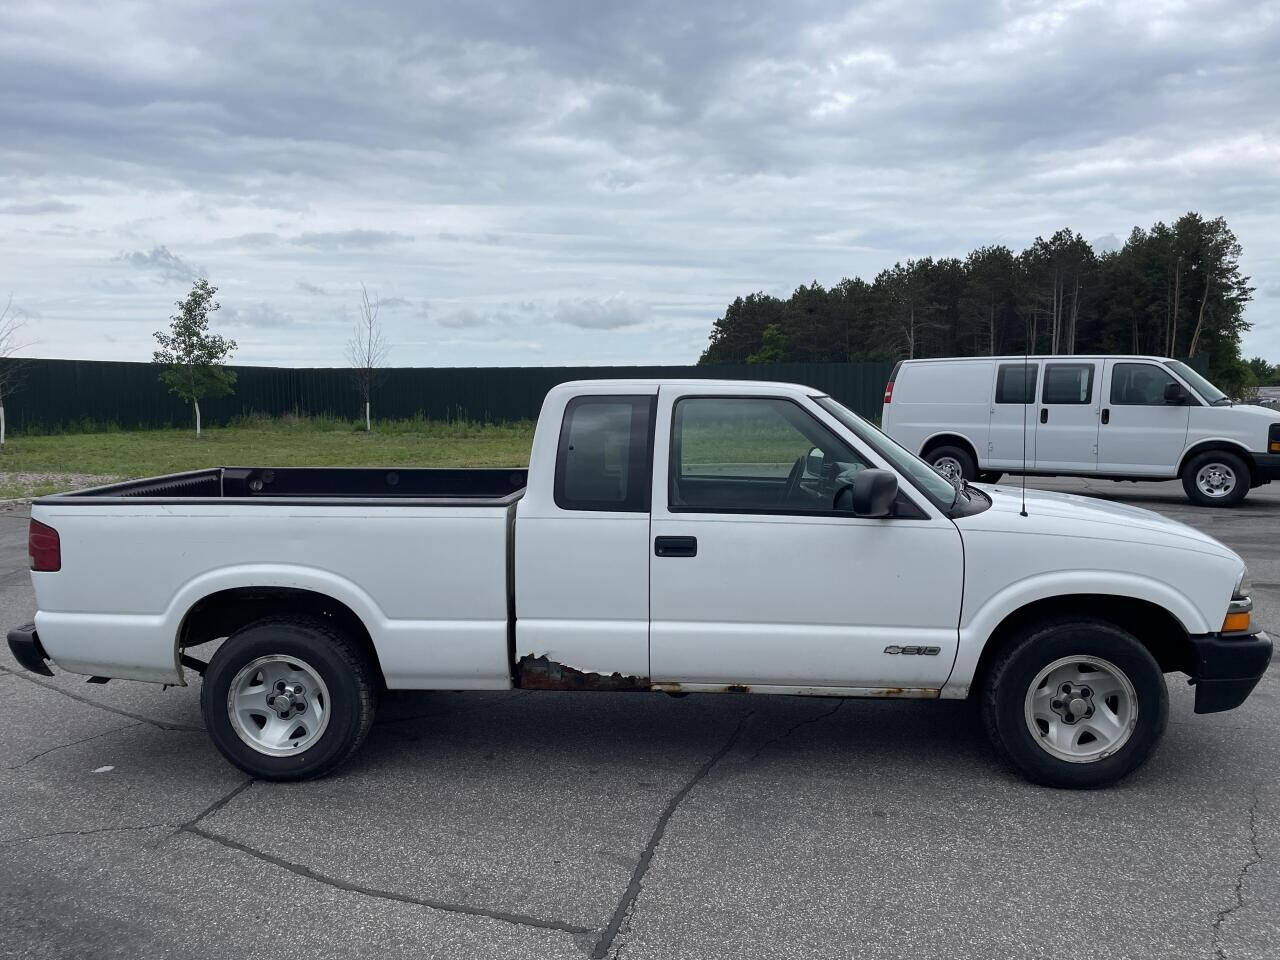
[{"x": 479, "y": 487}]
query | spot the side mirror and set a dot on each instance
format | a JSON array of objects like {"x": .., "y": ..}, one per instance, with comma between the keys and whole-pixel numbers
[
  {"x": 1174, "y": 394},
  {"x": 871, "y": 494},
  {"x": 813, "y": 461}
]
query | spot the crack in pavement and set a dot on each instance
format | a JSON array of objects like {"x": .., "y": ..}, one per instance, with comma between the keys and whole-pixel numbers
[
  {"x": 379, "y": 894},
  {"x": 83, "y": 833},
  {"x": 193, "y": 827},
  {"x": 63, "y": 746},
  {"x": 629, "y": 896},
  {"x": 792, "y": 729},
  {"x": 160, "y": 724},
  {"x": 1255, "y": 858}
]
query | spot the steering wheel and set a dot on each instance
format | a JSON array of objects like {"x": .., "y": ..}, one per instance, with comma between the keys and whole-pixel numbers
[{"x": 793, "y": 480}]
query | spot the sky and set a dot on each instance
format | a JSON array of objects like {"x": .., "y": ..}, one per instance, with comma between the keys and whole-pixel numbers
[{"x": 556, "y": 182}]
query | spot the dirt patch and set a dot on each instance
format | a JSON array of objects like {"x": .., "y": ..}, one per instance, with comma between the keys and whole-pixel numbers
[{"x": 15, "y": 485}]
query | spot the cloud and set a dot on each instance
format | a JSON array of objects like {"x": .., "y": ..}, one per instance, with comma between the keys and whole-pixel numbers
[
  {"x": 465, "y": 319},
  {"x": 38, "y": 207},
  {"x": 167, "y": 267},
  {"x": 479, "y": 156},
  {"x": 261, "y": 315},
  {"x": 591, "y": 314},
  {"x": 259, "y": 239},
  {"x": 351, "y": 239}
]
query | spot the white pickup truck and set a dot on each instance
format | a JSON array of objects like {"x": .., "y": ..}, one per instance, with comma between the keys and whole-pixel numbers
[{"x": 674, "y": 536}]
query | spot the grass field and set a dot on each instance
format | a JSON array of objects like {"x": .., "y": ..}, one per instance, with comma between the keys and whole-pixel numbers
[{"x": 33, "y": 466}]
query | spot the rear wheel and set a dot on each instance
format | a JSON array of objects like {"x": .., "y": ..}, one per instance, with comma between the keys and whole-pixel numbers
[
  {"x": 1075, "y": 703},
  {"x": 954, "y": 463},
  {"x": 288, "y": 698},
  {"x": 1216, "y": 478}
]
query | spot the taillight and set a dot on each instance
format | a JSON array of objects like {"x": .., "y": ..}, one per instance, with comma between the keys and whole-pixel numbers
[
  {"x": 888, "y": 392},
  {"x": 44, "y": 547}
]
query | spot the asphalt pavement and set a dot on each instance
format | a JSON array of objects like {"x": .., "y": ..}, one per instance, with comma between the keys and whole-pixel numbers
[{"x": 565, "y": 825}]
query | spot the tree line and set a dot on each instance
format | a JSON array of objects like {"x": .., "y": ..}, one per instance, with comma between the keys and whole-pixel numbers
[{"x": 1172, "y": 290}]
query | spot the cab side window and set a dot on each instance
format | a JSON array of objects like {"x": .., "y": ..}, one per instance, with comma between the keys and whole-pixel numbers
[
  {"x": 1138, "y": 385},
  {"x": 1068, "y": 383},
  {"x": 605, "y": 454},
  {"x": 754, "y": 455}
]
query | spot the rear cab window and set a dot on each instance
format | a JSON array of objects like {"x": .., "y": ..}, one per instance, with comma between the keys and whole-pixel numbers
[{"x": 605, "y": 454}]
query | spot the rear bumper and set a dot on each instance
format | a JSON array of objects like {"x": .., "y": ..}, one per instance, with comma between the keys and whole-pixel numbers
[
  {"x": 24, "y": 644},
  {"x": 1266, "y": 467},
  {"x": 1227, "y": 669}
]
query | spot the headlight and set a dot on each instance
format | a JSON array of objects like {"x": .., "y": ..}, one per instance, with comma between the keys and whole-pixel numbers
[{"x": 1243, "y": 587}]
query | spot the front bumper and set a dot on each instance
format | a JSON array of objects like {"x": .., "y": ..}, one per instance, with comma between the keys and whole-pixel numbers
[
  {"x": 1266, "y": 467},
  {"x": 24, "y": 644},
  {"x": 1227, "y": 669}
]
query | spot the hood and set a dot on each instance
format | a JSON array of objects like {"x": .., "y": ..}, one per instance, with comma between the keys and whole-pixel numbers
[{"x": 1070, "y": 514}]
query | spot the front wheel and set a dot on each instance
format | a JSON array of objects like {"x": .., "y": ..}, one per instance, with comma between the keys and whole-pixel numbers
[
  {"x": 1075, "y": 703},
  {"x": 288, "y": 698},
  {"x": 1216, "y": 479}
]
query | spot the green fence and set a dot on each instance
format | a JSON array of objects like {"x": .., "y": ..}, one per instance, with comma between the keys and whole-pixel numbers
[{"x": 56, "y": 395}]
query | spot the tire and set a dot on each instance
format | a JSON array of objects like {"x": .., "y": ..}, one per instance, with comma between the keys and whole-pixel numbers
[
  {"x": 989, "y": 476},
  {"x": 1112, "y": 735},
  {"x": 1216, "y": 478},
  {"x": 947, "y": 459},
  {"x": 328, "y": 687}
]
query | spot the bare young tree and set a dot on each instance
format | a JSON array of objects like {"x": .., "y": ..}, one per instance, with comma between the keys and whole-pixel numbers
[
  {"x": 12, "y": 329},
  {"x": 367, "y": 351}
]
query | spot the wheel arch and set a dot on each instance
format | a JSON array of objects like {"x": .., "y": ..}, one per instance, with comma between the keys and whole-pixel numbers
[
  {"x": 1152, "y": 624},
  {"x": 215, "y": 606},
  {"x": 947, "y": 438},
  {"x": 1219, "y": 443}
]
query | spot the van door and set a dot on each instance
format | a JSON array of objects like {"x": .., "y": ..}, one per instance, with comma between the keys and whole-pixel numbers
[
  {"x": 1139, "y": 434},
  {"x": 1067, "y": 420},
  {"x": 756, "y": 580},
  {"x": 1012, "y": 438}
]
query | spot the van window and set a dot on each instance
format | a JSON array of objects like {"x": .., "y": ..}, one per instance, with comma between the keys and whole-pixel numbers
[
  {"x": 1016, "y": 383},
  {"x": 605, "y": 454},
  {"x": 1068, "y": 383},
  {"x": 1138, "y": 385}
]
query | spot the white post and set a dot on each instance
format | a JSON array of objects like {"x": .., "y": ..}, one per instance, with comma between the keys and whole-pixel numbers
[
  {"x": 197, "y": 406},
  {"x": 1, "y": 423},
  {"x": 367, "y": 423}
]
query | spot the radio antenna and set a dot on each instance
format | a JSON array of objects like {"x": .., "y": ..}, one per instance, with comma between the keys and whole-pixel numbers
[{"x": 1026, "y": 355}]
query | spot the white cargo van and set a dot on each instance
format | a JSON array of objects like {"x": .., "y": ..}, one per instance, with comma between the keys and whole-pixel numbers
[{"x": 1115, "y": 417}]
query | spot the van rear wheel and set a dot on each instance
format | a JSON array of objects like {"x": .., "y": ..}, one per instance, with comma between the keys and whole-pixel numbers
[{"x": 954, "y": 463}]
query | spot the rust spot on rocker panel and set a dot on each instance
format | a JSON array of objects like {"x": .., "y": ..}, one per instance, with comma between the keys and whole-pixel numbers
[
  {"x": 543, "y": 673},
  {"x": 737, "y": 688}
]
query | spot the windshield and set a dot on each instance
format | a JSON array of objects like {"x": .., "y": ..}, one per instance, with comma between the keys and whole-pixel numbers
[
  {"x": 935, "y": 485},
  {"x": 1211, "y": 394}
]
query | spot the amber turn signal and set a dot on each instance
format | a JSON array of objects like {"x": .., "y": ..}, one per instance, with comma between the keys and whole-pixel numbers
[{"x": 1235, "y": 623}]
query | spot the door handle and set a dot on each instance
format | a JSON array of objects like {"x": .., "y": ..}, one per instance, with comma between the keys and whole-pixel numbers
[
  {"x": 675, "y": 546},
  {"x": 1106, "y": 415},
  {"x": 1044, "y": 414}
]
